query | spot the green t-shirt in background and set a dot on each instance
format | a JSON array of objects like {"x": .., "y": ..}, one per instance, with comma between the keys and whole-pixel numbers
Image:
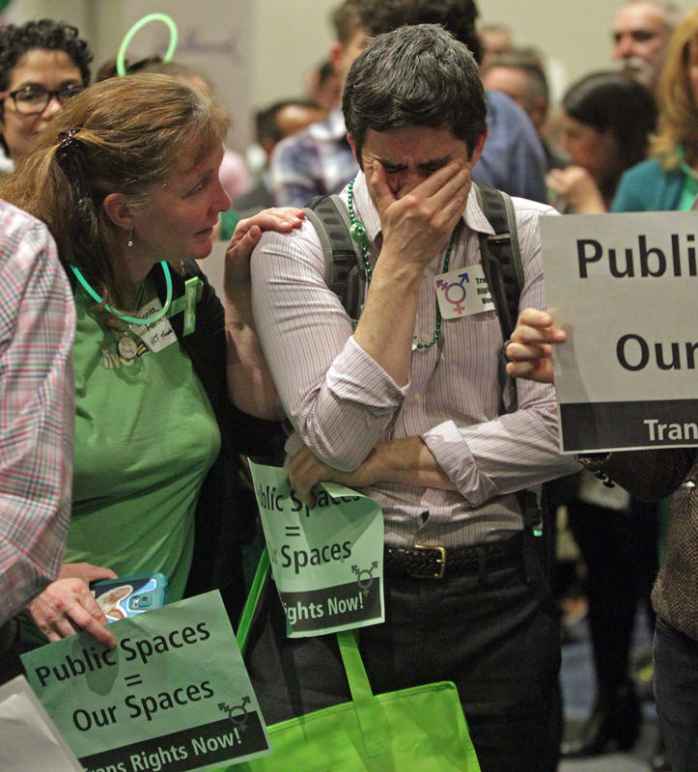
[{"x": 689, "y": 190}]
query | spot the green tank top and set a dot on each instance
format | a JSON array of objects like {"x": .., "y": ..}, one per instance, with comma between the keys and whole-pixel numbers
[{"x": 145, "y": 438}]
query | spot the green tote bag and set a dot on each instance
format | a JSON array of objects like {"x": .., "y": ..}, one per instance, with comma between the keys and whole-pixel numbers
[{"x": 421, "y": 729}]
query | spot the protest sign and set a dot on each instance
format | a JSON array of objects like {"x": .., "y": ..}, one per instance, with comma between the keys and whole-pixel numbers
[
  {"x": 327, "y": 561},
  {"x": 174, "y": 694},
  {"x": 624, "y": 288}
]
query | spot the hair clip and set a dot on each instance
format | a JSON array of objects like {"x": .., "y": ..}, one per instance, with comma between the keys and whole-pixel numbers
[{"x": 67, "y": 139}]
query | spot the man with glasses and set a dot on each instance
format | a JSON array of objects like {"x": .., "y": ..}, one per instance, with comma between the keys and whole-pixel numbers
[{"x": 42, "y": 64}]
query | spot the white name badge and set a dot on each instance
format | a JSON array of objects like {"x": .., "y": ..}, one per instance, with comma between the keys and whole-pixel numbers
[
  {"x": 463, "y": 292},
  {"x": 156, "y": 336}
]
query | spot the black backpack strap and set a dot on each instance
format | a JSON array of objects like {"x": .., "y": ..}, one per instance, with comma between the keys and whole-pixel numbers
[
  {"x": 501, "y": 256},
  {"x": 501, "y": 263},
  {"x": 329, "y": 216}
]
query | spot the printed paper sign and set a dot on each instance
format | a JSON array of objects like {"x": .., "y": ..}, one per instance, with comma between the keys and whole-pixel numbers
[
  {"x": 463, "y": 292},
  {"x": 173, "y": 695},
  {"x": 625, "y": 288},
  {"x": 327, "y": 561}
]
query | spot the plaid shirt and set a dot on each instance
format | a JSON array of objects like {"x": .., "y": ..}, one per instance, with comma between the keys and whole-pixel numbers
[
  {"x": 37, "y": 323},
  {"x": 315, "y": 162}
]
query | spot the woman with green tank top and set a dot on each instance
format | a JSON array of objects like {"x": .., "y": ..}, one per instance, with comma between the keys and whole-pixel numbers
[{"x": 126, "y": 178}]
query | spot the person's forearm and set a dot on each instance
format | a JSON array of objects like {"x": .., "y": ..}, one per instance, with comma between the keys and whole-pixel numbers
[
  {"x": 590, "y": 202},
  {"x": 386, "y": 327},
  {"x": 324, "y": 377},
  {"x": 250, "y": 384},
  {"x": 408, "y": 461}
]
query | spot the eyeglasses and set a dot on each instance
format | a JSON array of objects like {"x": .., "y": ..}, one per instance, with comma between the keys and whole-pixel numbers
[{"x": 34, "y": 99}]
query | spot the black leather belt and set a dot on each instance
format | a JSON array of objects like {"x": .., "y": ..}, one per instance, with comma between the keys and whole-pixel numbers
[{"x": 428, "y": 562}]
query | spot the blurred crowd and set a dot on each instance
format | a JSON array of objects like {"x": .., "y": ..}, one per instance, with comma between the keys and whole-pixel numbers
[{"x": 620, "y": 140}]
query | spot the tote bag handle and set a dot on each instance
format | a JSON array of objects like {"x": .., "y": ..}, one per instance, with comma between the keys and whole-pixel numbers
[
  {"x": 253, "y": 599},
  {"x": 368, "y": 710}
]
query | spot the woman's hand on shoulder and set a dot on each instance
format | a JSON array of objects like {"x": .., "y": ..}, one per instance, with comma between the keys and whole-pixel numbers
[
  {"x": 67, "y": 605},
  {"x": 248, "y": 233}
]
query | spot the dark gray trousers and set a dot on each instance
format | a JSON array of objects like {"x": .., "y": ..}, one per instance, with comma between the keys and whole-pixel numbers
[{"x": 495, "y": 635}]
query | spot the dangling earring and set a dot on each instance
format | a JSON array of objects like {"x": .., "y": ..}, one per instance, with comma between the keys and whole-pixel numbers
[{"x": 129, "y": 243}]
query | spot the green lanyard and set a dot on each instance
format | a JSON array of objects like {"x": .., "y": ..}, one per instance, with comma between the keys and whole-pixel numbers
[{"x": 193, "y": 290}]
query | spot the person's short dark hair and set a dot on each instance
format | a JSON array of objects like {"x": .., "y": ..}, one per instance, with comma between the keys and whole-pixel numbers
[
  {"x": 527, "y": 60},
  {"x": 613, "y": 101},
  {"x": 345, "y": 20},
  {"x": 415, "y": 76},
  {"x": 458, "y": 17},
  {"x": 266, "y": 126},
  {"x": 16, "y": 40}
]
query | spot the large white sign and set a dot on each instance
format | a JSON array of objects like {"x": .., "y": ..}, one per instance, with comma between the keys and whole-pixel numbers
[{"x": 625, "y": 287}]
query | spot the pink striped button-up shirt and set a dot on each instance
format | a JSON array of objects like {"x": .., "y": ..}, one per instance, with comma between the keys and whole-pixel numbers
[
  {"x": 341, "y": 402},
  {"x": 37, "y": 324}
]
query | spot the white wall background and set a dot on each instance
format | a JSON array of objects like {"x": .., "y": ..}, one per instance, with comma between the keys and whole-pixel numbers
[{"x": 256, "y": 51}]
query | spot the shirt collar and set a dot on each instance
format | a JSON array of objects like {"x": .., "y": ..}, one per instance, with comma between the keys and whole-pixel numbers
[{"x": 474, "y": 216}]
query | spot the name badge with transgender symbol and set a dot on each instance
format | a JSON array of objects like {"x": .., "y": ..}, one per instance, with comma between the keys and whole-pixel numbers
[{"x": 463, "y": 292}]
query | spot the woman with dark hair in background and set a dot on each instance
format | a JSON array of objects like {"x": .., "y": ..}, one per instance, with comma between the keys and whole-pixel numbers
[
  {"x": 606, "y": 125},
  {"x": 42, "y": 65}
]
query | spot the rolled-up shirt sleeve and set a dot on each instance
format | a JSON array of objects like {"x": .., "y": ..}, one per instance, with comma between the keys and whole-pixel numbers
[
  {"x": 511, "y": 453},
  {"x": 516, "y": 450},
  {"x": 338, "y": 398}
]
